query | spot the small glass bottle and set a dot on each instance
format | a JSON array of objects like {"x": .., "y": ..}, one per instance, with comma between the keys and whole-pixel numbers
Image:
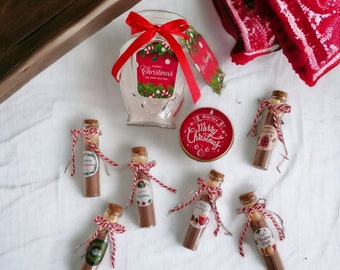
[
  {"x": 97, "y": 248},
  {"x": 144, "y": 196},
  {"x": 268, "y": 137},
  {"x": 263, "y": 235},
  {"x": 200, "y": 217},
  {"x": 152, "y": 83},
  {"x": 91, "y": 161}
]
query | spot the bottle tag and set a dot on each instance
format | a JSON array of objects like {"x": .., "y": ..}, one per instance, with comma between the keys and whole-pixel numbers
[
  {"x": 265, "y": 241},
  {"x": 143, "y": 193},
  {"x": 200, "y": 216},
  {"x": 96, "y": 252},
  {"x": 156, "y": 70},
  {"x": 268, "y": 138},
  {"x": 90, "y": 163},
  {"x": 204, "y": 59}
]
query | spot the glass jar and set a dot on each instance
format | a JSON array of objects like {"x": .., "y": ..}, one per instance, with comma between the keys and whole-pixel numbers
[{"x": 152, "y": 82}]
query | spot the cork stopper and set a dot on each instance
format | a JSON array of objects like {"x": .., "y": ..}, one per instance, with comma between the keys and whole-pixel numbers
[
  {"x": 113, "y": 212},
  {"x": 215, "y": 178},
  {"x": 247, "y": 198},
  {"x": 139, "y": 150},
  {"x": 279, "y": 96},
  {"x": 90, "y": 123},
  {"x": 139, "y": 154}
]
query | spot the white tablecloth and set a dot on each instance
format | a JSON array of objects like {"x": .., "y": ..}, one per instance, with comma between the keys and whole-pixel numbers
[{"x": 44, "y": 216}]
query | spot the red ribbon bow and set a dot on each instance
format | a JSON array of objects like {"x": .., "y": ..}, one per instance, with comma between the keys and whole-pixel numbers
[
  {"x": 112, "y": 228},
  {"x": 176, "y": 27},
  {"x": 259, "y": 207},
  {"x": 212, "y": 192},
  {"x": 145, "y": 168},
  {"x": 91, "y": 131}
]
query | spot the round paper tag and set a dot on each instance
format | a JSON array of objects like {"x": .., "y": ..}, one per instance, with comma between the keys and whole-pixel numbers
[{"x": 206, "y": 134}]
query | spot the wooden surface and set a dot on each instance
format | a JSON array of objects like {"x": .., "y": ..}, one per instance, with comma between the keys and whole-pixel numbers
[{"x": 35, "y": 34}]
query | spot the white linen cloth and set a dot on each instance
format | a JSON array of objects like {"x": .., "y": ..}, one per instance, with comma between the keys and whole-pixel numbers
[{"x": 44, "y": 216}]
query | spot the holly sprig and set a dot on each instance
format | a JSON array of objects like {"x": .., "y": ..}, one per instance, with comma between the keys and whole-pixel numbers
[
  {"x": 216, "y": 83},
  {"x": 188, "y": 43},
  {"x": 158, "y": 47},
  {"x": 155, "y": 91}
]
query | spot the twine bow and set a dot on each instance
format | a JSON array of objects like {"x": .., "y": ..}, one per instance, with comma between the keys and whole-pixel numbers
[
  {"x": 212, "y": 192},
  {"x": 259, "y": 207},
  {"x": 145, "y": 168},
  {"x": 139, "y": 24},
  {"x": 276, "y": 110},
  {"x": 112, "y": 228},
  {"x": 86, "y": 132}
]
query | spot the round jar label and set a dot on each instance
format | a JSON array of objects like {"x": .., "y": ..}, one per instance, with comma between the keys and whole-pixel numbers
[
  {"x": 268, "y": 138},
  {"x": 206, "y": 134},
  {"x": 265, "y": 241},
  {"x": 143, "y": 193},
  {"x": 90, "y": 163},
  {"x": 95, "y": 252},
  {"x": 200, "y": 216}
]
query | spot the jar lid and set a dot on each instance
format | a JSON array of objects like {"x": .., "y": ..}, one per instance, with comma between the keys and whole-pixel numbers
[{"x": 206, "y": 134}]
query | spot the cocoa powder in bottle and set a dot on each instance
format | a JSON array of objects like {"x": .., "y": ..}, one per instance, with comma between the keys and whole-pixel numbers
[
  {"x": 97, "y": 248},
  {"x": 268, "y": 137},
  {"x": 200, "y": 217},
  {"x": 144, "y": 196},
  {"x": 91, "y": 162},
  {"x": 263, "y": 236}
]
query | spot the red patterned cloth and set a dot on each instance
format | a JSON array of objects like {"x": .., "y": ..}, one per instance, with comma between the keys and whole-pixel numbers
[
  {"x": 253, "y": 35},
  {"x": 307, "y": 31}
]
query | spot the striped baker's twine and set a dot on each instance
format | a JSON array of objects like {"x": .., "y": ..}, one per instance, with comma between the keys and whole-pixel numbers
[
  {"x": 276, "y": 109},
  {"x": 112, "y": 228},
  {"x": 259, "y": 207},
  {"x": 87, "y": 132},
  {"x": 145, "y": 168},
  {"x": 213, "y": 192}
]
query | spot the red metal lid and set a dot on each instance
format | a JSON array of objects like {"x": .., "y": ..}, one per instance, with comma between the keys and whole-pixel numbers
[{"x": 206, "y": 134}]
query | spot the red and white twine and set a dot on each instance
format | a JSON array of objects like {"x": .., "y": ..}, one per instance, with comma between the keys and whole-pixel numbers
[
  {"x": 212, "y": 192},
  {"x": 113, "y": 228},
  {"x": 276, "y": 110},
  {"x": 259, "y": 207},
  {"x": 86, "y": 132},
  {"x": 145, "y": 168}
]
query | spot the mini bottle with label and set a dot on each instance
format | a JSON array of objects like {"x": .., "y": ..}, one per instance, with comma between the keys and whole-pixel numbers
[
  {"x": 97, "y": 247},
  {"x": 263, "y": 236},
  {"x": 91, "y": 161},
  {"x": 144, "y": 196},
  {"x": 269, "y": 137},
  {"x": 201, "y": 214}
]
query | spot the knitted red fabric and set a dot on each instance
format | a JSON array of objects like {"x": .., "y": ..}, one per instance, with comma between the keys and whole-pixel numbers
[
  {"x": 253, "y": 35},
  {"x": 308, "y": 32}
]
